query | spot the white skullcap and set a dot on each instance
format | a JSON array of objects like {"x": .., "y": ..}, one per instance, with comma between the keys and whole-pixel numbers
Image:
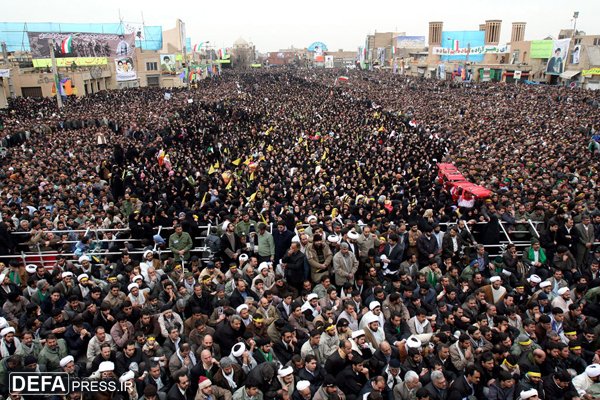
[
  {"x": 302, "y": 385},
  {"x": 360, "y": 332},
  {"x": 525, "y": 394},
  {"x": 238, "y": 349},
  {"x": 225, "y": 225},
  {"x": 371, "y": 318},
  {"x": 413, "y": 342},
  {"x": 3, "y": 323},
  {"x": 332, "y": 239},
  {"x": 83, "y": 258},
  {"x": 6, "y": 331},
  {"x": 263, "y": 265},
  {"x": 593, "y": 370},
  {"x": 562, "y": 291},
  {"x": 133, "y": 285},
  {"x": 535, "y": 278},
  {"x": 82, "y": 277},
  {"x": 66, "y": 274},
  {"x": 296, "y": 239},
  {"x": 311, "y": 218},
  {"x": 495, "y": 279},
  {"x": 352, "y": 235},
  {"x": 106, "y": 366},
  {"x": 127, "y": 376},
  {"x": 146, "y": 253},
  {"x": 31, "y": 268},
  {"x": 66, "y": 360},
  {"x": 285, "y": 371},
  {"x": 244, "y": 257},
  {"x": 312, "y": 296},
  {"x": 135, "y": 278},
  {"x": 241, "y": 307},
  {"x": 545, "y": 284},
  {"x": 373, "y": 305}
]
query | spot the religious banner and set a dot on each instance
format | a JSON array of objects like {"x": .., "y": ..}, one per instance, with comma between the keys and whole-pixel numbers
[
  {"x": 590, "y": 72},
  {"x": 77, "y": 44},
  {"x": 556, "y": 64},
  {"x": 517, "y": 75},
  {"x": 67, "y": 62},
  {"x": 477, "y": 50},
  {"x": 125, "y": 69},
  {"x": 541, "y": 48},
  {"x": 4, "y": 73}
]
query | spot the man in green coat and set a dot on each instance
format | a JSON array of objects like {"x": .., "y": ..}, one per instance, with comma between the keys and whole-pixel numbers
[
  {"x": 54, "y": 351},
  {"x": 243, "y": 227},
  {"x": 180, "y": 244}
]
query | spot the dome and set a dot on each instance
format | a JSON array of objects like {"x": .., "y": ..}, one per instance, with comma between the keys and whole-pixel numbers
[{"x": 240, "y": 43}]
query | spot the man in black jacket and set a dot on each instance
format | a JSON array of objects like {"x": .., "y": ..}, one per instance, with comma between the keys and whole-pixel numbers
[
  {"x": 158, "y": 377},
  {"x": 352, "y": 379},
  {"x": 557, "y": 384},
  {"x": 229, "y": 334},
  {"x": 285, "y": 348},
  {"x": 464, "y": 385},
  {"x": 181, "y": 389},
  {"x": 238, "y": 297},
  {"x": 132, "y": 358},
  {"x": 294, "y": 266},
  {"x": 200, "y": 300},
  {"x": 395, "y": 329}
]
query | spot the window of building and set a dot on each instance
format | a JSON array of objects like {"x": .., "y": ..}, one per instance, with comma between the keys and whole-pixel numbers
[
  {"x": 515, "y": 57},
  {"x": 578, "y": 41},
  {"x": 596, "y": 41},
  {"x": 151, "y": 66}
]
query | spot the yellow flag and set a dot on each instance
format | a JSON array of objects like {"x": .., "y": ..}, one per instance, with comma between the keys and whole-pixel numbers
[
  {"x": 248, "y": 161},
  {"x": 300, "y": 141},
  {"x": 204, "y": 198},
  {"x": 217, "y": 165},
  {"x": 237, "y": 162},
  {"x": 263, "y": 219},
  {"x": 229, "y": 184},
  {"x": 253, "y": 196},
  {"x": 211, "y": 170},
  {"x": 252, "y": 176},
  {"x": 324, "y": 156},
  {"x": 380, "y": 129},
  {"x": 270, "y": 148}
]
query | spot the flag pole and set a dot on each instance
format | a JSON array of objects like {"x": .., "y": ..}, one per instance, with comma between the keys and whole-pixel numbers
[{"x": 55, "y": 74}]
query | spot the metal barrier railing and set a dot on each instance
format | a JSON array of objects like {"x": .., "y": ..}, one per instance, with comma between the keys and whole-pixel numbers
[{"x": 206, "y": 254}]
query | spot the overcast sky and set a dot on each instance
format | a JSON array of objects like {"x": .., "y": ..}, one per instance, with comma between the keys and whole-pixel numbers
[{"x": 273, "y": 25}]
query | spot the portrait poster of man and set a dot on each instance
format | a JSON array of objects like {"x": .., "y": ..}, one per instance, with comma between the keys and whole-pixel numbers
[
  {"x": 556, "y": 64},
  {"x": 167, "y": 64}
]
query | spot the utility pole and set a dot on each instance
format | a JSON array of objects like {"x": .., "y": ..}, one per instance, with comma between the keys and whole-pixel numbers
[
  {"x": 11, "y": 87},
  {"x": 55, "y": 74}
]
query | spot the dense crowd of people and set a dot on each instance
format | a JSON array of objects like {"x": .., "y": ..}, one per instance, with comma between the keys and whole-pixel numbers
[{"x": 337, "y": 264}]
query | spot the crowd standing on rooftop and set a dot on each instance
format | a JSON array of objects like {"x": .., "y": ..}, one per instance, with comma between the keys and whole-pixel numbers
[{"x": 341, "y": 266}]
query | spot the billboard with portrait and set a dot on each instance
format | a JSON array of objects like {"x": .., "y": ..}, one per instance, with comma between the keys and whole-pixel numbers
[
  {"x": 404, "y": 42},
  {"x": 78, "y": 44}
]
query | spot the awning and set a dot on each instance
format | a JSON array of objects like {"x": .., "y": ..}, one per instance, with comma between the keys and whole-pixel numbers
[{"x": 569, "y": 74}]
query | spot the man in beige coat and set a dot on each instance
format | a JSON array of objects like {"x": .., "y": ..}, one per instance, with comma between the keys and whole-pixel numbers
[
  {"x": 345, "y": 266},
  {"x": 319, "y": 257}
]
